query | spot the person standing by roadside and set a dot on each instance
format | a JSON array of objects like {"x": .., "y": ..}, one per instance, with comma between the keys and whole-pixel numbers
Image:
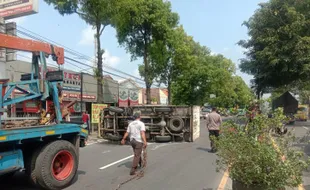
[
  {"x": 214, "y": 122},
  {"x": 136, "y": 133},
  {"x": 85, "y": 119}
]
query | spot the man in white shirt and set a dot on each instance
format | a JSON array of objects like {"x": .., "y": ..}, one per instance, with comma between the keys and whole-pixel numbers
[{"x": 136, "y": 132}]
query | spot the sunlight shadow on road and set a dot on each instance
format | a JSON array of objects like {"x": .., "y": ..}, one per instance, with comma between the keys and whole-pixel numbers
[{"x": 203, "y": 149}]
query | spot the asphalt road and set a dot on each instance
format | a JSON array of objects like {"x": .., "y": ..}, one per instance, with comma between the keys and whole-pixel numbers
[
  {"x": 302, "y": 132},
  {"x": 171, "y": 166}
]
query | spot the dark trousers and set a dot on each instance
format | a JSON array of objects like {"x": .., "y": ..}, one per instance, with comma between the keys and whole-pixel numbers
[
  {"x": 137, "y": 149},
  {"x": 213, "y": 133}
]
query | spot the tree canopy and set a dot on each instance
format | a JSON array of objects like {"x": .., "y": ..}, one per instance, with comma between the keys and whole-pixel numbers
[
  {"x": 140, "y": 24},
  {"x": 149, "y": 30},
  {"x": 278, "y": 48},
  {"x": 98, "y": 14}
]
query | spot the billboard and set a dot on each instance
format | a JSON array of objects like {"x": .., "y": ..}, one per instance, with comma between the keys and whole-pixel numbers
[
  {"x": 17, "y": 8},
  {"x": 95, "y": 111}
]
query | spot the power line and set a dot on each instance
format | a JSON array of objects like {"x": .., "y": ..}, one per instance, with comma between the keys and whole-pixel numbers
[
  {"x": 71, "y": 51},
  {"x": 110, "y": 86}
]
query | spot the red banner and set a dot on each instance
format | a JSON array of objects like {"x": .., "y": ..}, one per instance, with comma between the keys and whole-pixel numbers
[
  {"x": 123, "y": 98},
  {"x": 133, "y": 97}
]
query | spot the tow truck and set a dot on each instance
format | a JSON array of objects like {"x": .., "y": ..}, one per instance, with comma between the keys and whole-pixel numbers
[{"x": 47, "y": 149}]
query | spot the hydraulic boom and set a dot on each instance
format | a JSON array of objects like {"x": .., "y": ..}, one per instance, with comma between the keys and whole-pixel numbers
[{"x": 13, "y": 42}]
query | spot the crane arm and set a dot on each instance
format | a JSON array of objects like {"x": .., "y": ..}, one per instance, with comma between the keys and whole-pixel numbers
[{"x": 13, "y": 42}]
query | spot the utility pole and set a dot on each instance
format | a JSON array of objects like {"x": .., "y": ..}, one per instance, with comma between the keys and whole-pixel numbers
[{"x": 81, "y": 92}]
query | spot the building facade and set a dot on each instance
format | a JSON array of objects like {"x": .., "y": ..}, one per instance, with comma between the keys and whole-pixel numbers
[
  {"x": 158, "y": 96},
  {"x": 128, "y": 93}
]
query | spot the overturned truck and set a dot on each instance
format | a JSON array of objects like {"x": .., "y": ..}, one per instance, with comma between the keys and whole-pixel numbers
[{"x": 163, "y": 123}]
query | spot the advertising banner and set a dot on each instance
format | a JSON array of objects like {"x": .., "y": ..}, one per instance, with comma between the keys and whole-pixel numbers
[
  {"x": 17, "y": 8},
  {"x": 133, "y": 97},
  {"x": 123, "y": 97},
  {"x": 95, "y": 111}
]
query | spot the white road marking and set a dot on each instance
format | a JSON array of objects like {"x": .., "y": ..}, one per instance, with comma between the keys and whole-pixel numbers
[
  {"x": 306, "y": 128},
  {"x": 113, "y": 163},
  {"x": 107, "y": 151}
]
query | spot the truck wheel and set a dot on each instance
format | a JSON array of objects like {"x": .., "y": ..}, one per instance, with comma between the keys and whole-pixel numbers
[
  {"x": 163, "y": 138},
  {"x": 176, "y": 124},
  {"x": 56, "y": 165},
  {"x": 163, "y": 109},
  {"x": 116, "y": 110},
  {"x": 30, "y": 165},
  {"x": 178, "y": 139},
  {"x": 114, "y": 137}
]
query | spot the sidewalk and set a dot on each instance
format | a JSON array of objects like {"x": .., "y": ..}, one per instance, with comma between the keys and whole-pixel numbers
[{"x": 93, "y": 138}]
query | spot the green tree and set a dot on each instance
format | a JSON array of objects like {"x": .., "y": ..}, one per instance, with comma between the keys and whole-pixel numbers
[
  {"x": 139, "y": 24},
  {"x": 170, "y": 57},
  {"x": 278, "y": 50},
  {"x": 191, "y": 84},
  {"x": 244, "y": 94},
  {"x": 96, "y": 13}
]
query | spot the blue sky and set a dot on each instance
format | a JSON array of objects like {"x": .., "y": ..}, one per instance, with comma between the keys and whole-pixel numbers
[{"x": 214, "y": 23}]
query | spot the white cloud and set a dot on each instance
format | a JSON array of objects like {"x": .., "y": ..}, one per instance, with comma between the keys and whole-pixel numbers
[
  {"x": 87, "y": 36},
  {"x": 107, "y": 59},
  {"x": 110, "y": 59}
]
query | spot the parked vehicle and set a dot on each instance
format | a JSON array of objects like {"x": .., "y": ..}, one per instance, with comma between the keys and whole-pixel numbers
[
  {"x": 163, "y": 123},
  {"x": 302, "y": 113},
  {"x": 204, "y": 112}
]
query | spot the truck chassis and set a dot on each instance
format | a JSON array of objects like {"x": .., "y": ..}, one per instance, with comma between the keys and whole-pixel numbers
[{"x": 163, "y": 123}]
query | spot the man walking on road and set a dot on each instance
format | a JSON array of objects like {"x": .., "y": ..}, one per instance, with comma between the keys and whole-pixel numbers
[
  {"x": 136, "y": 132},
  {"x": 214, "y": 122}
]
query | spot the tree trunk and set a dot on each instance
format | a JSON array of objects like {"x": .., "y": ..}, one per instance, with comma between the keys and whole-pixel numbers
[
  {"x": 146, "y": 71},
  {"x": 169, "y": 92},
  {"x": 99, "y": 67}
]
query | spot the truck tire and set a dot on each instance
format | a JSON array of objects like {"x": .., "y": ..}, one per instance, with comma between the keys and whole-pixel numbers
[
  {"x": 30, "y": 165},
  {"x": 163, "y": 110},
  {"x": 176, "y": 124},
  {"x": 116, "y": 110},
  {"x": 114, "y": 137},
  {"x": 162, "y": 138},
  {"x": 178, "y": 139},
  {"x": 56, "y": 165}
]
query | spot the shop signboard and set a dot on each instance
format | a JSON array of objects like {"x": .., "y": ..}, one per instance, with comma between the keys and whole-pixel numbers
[
  {"x": 95, "y": 111},
  {"x": 30, "y": 106},
  {"x": 17, "y": 8}
]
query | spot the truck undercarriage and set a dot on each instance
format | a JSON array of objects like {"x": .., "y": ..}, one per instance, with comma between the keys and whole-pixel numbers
[{"x": 163, "y": 123}]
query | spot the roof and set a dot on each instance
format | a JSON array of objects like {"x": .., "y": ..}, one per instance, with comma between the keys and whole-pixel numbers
[{"x": 130, "y": 81}]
